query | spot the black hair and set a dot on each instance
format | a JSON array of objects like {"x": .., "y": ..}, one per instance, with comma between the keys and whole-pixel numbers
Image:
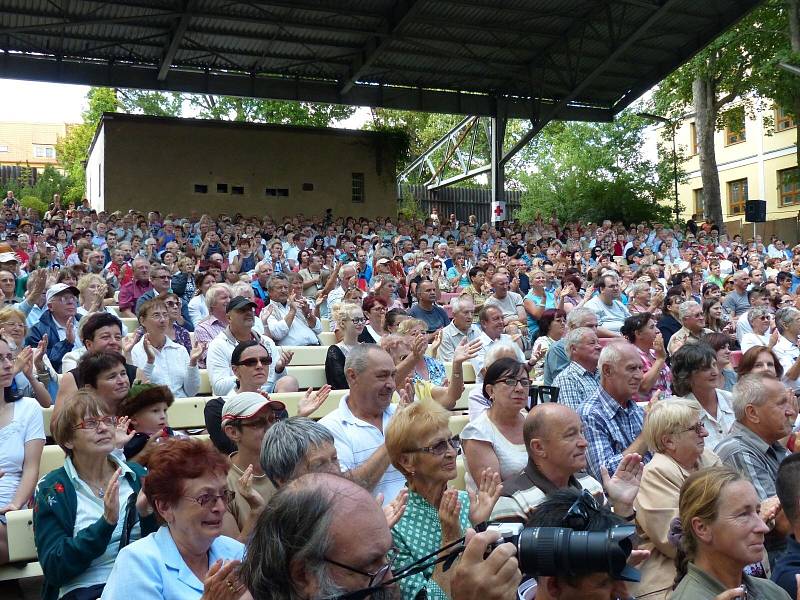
[
  {"x": 686, "y": 361},
  {"x": 787, "y": 486},
  {"x": 95, "y": 321},
  {"x": 634, "y": 324},
  {"x": 473, "y": 272},
  {"x": 551, "y": 512},
  {"x": 241, "y": 347},
  {"x": 500, "y": 368},
  {"x": 91, "y": 365}
]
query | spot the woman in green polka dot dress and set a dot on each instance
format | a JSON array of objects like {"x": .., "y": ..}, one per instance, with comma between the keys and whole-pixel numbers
[{"x": 421, "y": 446}]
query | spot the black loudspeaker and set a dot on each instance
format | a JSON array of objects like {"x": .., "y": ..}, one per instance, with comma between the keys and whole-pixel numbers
[{"x": 755, "y": 211}]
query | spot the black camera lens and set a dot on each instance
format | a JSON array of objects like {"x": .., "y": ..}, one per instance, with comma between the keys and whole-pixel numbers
[{"x": 556, "y": 551}]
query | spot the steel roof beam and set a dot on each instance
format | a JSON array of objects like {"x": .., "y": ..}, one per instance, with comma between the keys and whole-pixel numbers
[
  {"x": 171, "y": 50},
  {"x": 402, "y": 13}
]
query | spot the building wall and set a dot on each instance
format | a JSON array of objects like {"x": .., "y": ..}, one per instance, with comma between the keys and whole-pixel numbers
[
  {"x": 95, "y": 175},
  {"x": 758, "y": 159},
  {"x": 155, "y": 164},
  {"x": 20, "y": 143}
]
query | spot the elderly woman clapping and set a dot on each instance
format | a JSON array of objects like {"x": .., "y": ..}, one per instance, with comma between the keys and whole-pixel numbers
[
  {"x": 421, "y": 446},
  {"x": 760, "y": 321},
  {"x": 187, "y": 558},
  {"x": 676, "y": 437}
]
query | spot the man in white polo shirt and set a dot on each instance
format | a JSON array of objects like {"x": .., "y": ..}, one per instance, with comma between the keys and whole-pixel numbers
[{"x": 359, "y": 423}]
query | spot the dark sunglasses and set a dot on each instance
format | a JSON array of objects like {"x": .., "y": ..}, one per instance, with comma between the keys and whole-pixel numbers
[{"x": 252, "y": 362}]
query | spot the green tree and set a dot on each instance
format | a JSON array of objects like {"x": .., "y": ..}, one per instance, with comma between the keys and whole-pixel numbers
[
  {"x": 596, "y": 171},
  {"x": 726, "y": 74}
]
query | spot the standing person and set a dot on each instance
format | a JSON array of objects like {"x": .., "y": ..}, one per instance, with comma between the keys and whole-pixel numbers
[{"x": 87, "y": 510}]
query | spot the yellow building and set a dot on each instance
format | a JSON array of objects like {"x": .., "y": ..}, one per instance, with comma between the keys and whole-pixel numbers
[
  {"x": 756, "y": 161},
  {"x": 31, "y": 144}
]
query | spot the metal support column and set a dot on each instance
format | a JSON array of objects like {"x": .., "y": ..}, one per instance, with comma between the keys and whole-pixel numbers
[{"x": 498, "y": 126}]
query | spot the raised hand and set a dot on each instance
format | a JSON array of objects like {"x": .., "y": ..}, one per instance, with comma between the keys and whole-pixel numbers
[
  {"x": 23, "y": 363},
  {"x": 478, "y": 578},
  {"x": 482, "y": 502},
  {"x": 624, "y": 485},
  {"x": 395, "y": 509},
  {"x": 285, "y": 359},
  {"x": 254, "y": 500},
  {"x": 128, "y": 342},
  {"x": 39, "y": 353},
  {"x": 222, "y": 581},
  {"x": 148, "y": 348},
  {"x": 406, "y": 394},
  {"x": 313, "y": 400},
  {"x": 450, "y": 516},
  {"x": 70, "y": 326},
  {"x": 121, "y": 434},
  {"x": 658, "y": 347},
  {"x": 197, "y": 351},
  {"x": 467, "y": 350},
  {"x": 419, "y": 346},
  {"x": 111, "y": 499}
]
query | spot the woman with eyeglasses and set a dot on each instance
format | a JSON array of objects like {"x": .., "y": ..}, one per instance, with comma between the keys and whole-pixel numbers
[
  {"x": 188, "y": 558},
  {"x": 494, "y": 439},
  {"x": 164, "y": 361},
  {"x": 676, "y": 436},
  {"x": 89, "y": 509},
  {"x": 421, "y": 446},
  {"x": 760, "y": 320},
  {"x": 721, "y": 533},
  {"x": 351, "y": 321},
  {"x": 375, "y": 308}
]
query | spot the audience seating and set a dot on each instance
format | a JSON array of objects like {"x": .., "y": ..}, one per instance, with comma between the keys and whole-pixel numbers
[
  {"x": 205, "y": 384},
  {"x": 460, "y": 482},
  {"x": 327, "y": 338},
  {"x": 467, "y": 368},
  {"x": 306, "y": 355},
  {"x": 326, "y": 324},
  {"x": 131, "y": 323},
  {"x": 457, "y": 423}
]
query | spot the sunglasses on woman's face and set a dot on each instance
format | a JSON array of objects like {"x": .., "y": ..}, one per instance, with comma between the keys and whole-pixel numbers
[{"x": 252, "y": 362}]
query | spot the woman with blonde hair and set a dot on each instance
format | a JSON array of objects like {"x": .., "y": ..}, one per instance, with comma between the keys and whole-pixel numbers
[
  {"x": 32, "y": 369},
  {"x": 421, "y": 446},
  {"x": 676, "y": 437},
  {"x": 721, "y": 532},
  {"x": 351, "y": 321}
]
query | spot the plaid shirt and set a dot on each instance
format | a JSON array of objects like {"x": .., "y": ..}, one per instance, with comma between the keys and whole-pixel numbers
[
  {"x": 576, "y": 385},
  {"x": 743, "y": 450},
  {"x": 609, "y": 428}
]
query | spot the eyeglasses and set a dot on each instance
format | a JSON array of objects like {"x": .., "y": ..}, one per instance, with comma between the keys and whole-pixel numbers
[
  {"x": 513, "y": 381},
  {"x": 171, "y": 304},
  {"x": 252, "y": 362},
  {"x": 161, "y": 277},
  {"x": 439, "y": 448},
  {"x": 358, "y": 320},
  {"x": 94, "y": 423},
  {"x": 375, "y": 578},
  {"x": 698, "y": 428},
  {"x": 579, "y": 514},
  {"x": 205, "y": 500},
  {"x": 260, "y": 423}
]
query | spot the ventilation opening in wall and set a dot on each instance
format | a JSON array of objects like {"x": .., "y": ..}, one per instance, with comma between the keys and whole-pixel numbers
[
  {"x": 358, "y": 187},
  {"x": 200, "y": 188},
  {"x": 222, "y": 188},
  {"x": 275, "y": 192},
  {"x": 237, "y": 190},
  {"x": 308, "y": 187}
]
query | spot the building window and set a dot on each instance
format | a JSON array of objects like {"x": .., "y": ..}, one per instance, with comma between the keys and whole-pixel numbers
[
  {"x": 783, "y": 120},
  {"x": 222, "y": 188},
  {"x": 200, "y": 188},
  {"x": 692, "y": 138},
  {"x": 734, "y": 126},
  {"x": 737, "y": 196},
  {"x": 3, "y": 148},
  {"x": 358, "y": 187},
  {"x": 308, "y": 187},
  {"x": 789, "y": 186},
  {"x": 42, "y": 151},
  {"x": 277, "y": 192},
  {"x": 237, "y": 190},
  {"x": 699, "y": 202}
]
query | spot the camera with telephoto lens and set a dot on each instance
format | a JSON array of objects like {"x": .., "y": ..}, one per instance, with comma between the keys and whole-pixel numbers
[{"x": 559, "y": 551}]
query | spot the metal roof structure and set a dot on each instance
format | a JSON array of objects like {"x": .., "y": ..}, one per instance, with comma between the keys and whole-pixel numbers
[{"x": 532, "y": 59}]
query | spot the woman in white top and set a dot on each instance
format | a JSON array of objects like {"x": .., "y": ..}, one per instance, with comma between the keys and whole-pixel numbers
[
  {"x": 21, "y": 442},
  {"x": 760, "y": 321},
  {"x": 494, "y": 439},
  {"x": 163, "y": 361},
  {"x": 695, "y": 375},
  {"x": 198, "y": 309}
]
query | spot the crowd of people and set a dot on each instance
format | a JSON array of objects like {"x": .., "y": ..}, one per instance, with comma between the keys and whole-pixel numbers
[{"x": 625, "y": 375}]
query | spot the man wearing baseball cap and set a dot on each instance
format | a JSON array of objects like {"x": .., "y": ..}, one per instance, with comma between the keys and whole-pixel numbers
[
  {"x": 246, "y": 417},
  {"x": 59, "y": 323}
]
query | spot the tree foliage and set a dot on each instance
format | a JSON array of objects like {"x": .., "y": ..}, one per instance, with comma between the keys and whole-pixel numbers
[{"x": 596, "y": 171}]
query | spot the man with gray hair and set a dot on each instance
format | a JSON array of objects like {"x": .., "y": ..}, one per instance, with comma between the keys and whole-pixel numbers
[
  {"x": 763, "y": 417},
  {"x": 580, "y": 380},
  {"x": 460, "y": 328},
  {"x": 291, "y": 321},
  {"x": 787, "y": 321},
  {"x": 612, "y": 420},
  {"x": 296, "y": 446},
  {"x": 556, "y": 359},
  {"x": 322, "y": 536},
  {"x": 359, "y": 423},
  {"x": 693, "y": 326}
]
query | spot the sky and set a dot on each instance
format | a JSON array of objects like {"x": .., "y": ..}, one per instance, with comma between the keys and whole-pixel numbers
[{"x": 37, "y": 102}]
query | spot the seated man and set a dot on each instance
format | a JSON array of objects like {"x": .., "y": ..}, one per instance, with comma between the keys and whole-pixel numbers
[
  {"x": 580, "y": 380},
  {"x": 59, "y": 323},
  {"x": 427, "y": 310},
  {"x": 459, "y": 329},
  {"x": 610, "y": 311},
  {"x": 130, "y": 292},
  {"x": 787, "y": 486},
  {"x": 581, "y": 581},
  {"x": 291, "y": 321},
  {"x": 556, "y": 446},
  {"x": 691, "y": 316},
  {"x": 557, "y": 359},
  {"x": 612, "y": 420}
]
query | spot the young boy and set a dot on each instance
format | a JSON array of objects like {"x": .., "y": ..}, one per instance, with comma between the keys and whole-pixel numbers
[{"x": 146, "y": 406}]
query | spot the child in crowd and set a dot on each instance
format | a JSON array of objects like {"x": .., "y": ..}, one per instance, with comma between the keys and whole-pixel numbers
[{"x": 144, "y": 414}]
